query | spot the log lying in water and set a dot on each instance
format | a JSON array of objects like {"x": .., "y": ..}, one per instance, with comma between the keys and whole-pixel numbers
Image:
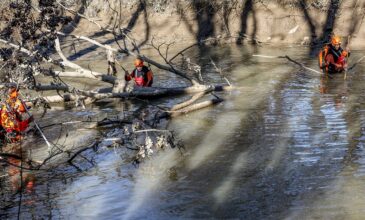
[
  {"x": 194, "y": 107},
  {"x": 150, "y": 92},
  {"x": 144, "y": 92}
]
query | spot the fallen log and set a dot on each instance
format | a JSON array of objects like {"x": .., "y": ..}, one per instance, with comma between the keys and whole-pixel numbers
[
  {"x": 194, "y": 107},
  {"x": 156, "y": 92},
  {"x": 64, "y": 98},
  {"x": 189, "y": 102},
  {"x": 138, "y": 92},
  {"x": 41, "y": 87}
]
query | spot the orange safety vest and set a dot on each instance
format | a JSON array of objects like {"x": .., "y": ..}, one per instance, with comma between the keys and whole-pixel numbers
[
  {"x": 9, "y": 115},
  {"x": 338, "y": 57},
  {"x": 143, "y": 78},
  {"x": 8, "y": 119}
]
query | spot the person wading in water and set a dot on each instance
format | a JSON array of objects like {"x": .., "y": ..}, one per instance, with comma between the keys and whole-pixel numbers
[
  {"x": 332, "y": 58},
  {"x": 143, "y": 76}
]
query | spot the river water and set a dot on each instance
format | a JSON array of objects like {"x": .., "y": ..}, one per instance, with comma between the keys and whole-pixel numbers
[{"x": 287, "y": 144}]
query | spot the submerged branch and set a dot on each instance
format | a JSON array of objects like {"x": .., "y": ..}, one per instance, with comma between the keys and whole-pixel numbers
[
  {"x": 290, "y": 59},
  {"x": 93, "y": 145}
]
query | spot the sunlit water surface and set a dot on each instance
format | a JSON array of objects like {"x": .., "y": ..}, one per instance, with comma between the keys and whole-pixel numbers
[{"x": 286, "y": 144}]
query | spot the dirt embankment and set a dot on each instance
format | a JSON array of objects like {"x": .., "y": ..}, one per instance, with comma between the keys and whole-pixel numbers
[{"x": 287, "y": 22}]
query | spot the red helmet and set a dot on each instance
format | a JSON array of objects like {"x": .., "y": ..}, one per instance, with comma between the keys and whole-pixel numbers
[
  {"x": 335, "y": 40},
  {"x": 138, "y": 63}
]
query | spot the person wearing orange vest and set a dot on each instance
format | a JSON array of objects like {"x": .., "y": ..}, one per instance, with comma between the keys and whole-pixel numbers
[
  {"x": 143, "y": 76},
  {"x": 332, "y": 58},
  {"x": 11, "y": 114}
]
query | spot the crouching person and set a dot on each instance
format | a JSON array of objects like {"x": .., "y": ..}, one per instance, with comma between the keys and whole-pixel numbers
[{"x": 14, "y": 116}]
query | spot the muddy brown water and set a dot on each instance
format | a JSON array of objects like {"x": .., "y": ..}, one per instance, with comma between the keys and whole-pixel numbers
[{"x": 286, "y": 145}]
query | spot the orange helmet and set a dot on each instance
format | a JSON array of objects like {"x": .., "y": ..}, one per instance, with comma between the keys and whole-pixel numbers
[
  {"x": 13, "y": 92},
  {"x": 138, "y": 63},
  {"x": 335, "y": 40}
]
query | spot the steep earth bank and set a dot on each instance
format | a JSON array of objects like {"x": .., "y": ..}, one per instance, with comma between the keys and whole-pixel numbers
[{"x": 279, "y": 22}]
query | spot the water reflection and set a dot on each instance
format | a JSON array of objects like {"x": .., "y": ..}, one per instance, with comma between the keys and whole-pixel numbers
[
  {"x": 18, "y": 183},
  {"x": 288, "y": 145},
  {"x": 19, "y": 178}
]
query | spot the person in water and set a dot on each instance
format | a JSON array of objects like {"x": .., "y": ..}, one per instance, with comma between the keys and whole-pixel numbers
[
  {"x": 332, "y": 58},
  {"x": 143, "y": 76}
]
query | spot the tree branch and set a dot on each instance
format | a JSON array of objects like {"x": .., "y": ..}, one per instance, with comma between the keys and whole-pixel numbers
[
  {"x": 40, "y": 87},
  {"x": 290, "y": 59}
]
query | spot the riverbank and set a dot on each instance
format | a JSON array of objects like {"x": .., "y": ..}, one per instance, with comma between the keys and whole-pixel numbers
[{"x": 185, "y": 22}]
